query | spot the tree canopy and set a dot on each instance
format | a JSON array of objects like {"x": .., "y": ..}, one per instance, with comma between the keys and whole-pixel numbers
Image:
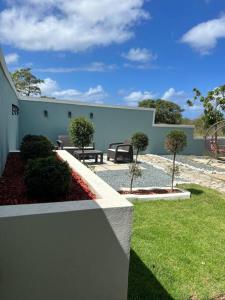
[
  {"x": 213, "y": 104},
  {"x": 26, "y": 83},
  {"x": 167, "y": 112}
]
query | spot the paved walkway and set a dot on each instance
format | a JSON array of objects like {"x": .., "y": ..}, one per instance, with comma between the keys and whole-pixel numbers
[{"x": 188, "y": 173}]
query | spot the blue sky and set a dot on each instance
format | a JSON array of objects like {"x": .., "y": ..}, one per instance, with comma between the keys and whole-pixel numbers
[{"x": 117, "y": 52}]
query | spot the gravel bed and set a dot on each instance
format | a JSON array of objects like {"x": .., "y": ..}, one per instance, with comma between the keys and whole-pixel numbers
[
  {"x": 188, "y": 161},
  {"x": 151, "y": 177}
]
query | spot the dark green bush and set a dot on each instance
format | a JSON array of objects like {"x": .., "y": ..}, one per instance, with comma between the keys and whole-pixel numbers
[
  {"x": 35, "y": 146},
  {"x": 140, "y": 142},
  {"x": 47, "y": 177}
]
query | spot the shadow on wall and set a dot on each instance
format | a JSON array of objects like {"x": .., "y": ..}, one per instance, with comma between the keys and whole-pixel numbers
[
  {"x": 142, "y": 283},
  {"x": 63, "y": 254}
]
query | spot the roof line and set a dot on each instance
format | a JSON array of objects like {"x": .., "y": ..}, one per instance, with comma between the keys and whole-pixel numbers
[
  {"x": 76, "y": 102},
  {"x": 6, "y": 72}
]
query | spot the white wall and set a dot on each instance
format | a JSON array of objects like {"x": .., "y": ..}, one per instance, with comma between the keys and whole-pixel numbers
[
  {"x": 67, "y": 250},
  {"x": 8, "y": 122}
]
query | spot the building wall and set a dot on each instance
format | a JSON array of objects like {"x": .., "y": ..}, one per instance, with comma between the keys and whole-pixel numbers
[
  {"x": 112, "y": 124},
  {"x": 8, "y": 122}
]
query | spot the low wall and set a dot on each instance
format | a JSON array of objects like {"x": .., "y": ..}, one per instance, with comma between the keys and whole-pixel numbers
[
  {"x": 158, "y": 132},
  {"x": 67, "y": 250}
]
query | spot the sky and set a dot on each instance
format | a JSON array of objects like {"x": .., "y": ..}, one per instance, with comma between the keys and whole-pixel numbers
[{"x": 117, "y": 52}]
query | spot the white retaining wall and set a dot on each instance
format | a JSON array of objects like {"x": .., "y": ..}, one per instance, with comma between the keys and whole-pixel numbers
[{"x": 67, "y": 250}]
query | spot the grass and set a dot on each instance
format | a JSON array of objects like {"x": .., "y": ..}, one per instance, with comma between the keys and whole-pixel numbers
[{"x": 178, "y": 247}]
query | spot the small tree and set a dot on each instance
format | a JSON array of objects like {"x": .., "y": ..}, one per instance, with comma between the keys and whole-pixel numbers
[
  {"x": 176, "y": 141},
  {"x": 134, "y": 172},
  {"x": 81, "y": 133},
  {"x": 26, "y": 83},
  {"x": 140, "y": 142}
]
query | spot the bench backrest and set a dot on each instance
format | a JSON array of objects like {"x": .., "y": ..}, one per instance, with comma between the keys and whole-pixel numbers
[{"x": 65, "y": 140}]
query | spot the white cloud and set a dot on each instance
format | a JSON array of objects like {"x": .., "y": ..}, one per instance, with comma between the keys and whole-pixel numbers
[
  {"x": 173, "y": 95},
  {"x": 48, "y": 87},
  {"x": 134, "y": 97},
  {"x": 204, "y": 36},
  {"x": 11, "y": 58},
  {"x": 93, "y": 94},
  {"x": 93, "y": 67},
  {"x": 139, "y": 55},
  {"x": 74, "y": 25}
]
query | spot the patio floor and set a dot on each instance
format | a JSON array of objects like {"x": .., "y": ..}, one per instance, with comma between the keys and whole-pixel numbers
[
  {"x": 193, "y": 169},
  {"x": 117, "y": 175}
]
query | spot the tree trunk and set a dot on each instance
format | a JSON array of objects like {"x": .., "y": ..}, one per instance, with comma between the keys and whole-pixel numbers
[
  {"x": 137, "y": 156},
  {"x": 83, "y": 154},
  {"x": 131, "y": 183},
  {"x": 173, "y": 170}
]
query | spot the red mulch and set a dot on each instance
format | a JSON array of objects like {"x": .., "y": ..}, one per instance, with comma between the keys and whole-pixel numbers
[
  {"x": 150, "y": 192},
  {"x": 13, "y": 190}
]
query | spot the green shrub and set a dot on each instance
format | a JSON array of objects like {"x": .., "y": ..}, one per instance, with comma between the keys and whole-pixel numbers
[
  {"x": 47, "y": 177},
  {"x": 35, "y": 146},
  {"x": 81, "y": 132},
  {"x": 175, "y": 142},
  {"x": 140, "y": 142}
]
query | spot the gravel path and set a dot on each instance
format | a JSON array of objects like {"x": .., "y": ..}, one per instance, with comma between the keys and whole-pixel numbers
[
  {"x": 187, "y": 160},
  {"x": 211, "y": 180},
  {"x": 151, "y": 177}
]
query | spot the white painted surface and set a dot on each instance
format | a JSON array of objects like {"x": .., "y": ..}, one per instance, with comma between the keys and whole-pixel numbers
[
  {"x": 182, "y": 195},
  {"x": 67, "y": 250}
]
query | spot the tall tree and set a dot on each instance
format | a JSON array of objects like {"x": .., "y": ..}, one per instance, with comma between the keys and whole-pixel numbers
[
  {"x": 26, "y": 83},
  {"x": 213, "y": 104},
  {"x": 214, "y": 107},
  {"x": 167, "y": 112}
]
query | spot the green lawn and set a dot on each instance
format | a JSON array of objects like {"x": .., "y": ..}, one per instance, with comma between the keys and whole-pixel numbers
[{"x": 178, "y": 247}]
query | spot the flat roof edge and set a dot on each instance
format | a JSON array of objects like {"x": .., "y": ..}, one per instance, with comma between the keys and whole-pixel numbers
[
  {"x": 6, "y": 72},
  {"x": 76, "y": 102}
]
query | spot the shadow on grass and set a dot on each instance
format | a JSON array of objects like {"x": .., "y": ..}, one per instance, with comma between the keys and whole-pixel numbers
[
  {"x": 142, "y": 283},
  {"x": 195, "y": 191}
]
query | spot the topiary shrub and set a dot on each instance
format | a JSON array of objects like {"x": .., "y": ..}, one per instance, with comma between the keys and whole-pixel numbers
[
  {"x": 140, "y": 142},
  {"x": 81, "y": 132},
  {"x": 35, "y": 146},
  {"x": 175, "y": 142},
  {"x": 47, "y": 177}
]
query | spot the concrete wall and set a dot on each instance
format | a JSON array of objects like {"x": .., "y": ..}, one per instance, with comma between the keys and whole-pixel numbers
[
  {"x": 67, "y": 250},
  {"x": 112, "y": 124},
  {"x": 8, "y": 122}
]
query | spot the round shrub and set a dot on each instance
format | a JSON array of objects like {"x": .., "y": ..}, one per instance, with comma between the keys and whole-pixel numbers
[
  {"x": 47, "y": 177},
  {"x": 81, "y": 132},
  {"x": 35, "y": 146},
  {"x": 176, "y": 141},
  {"x": 140, "y": 142}
]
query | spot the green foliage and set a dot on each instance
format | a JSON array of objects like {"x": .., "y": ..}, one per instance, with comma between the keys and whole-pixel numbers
[
  {"x": 46, "y": 177},
  {"x": 176, "y": 170},
  {"x": 26, "y": 83},
  {"x": 199, "y": 124},
  {"x": 167, "y": 112},
  {"x": 176, "y": 141},
  {"x": 213, "y": 104},
  {"x": 81, "y": 132},
  {"x": 140, "y": 142},
  {"x": 35, "y": 146},
  {"x": 134, "y": 172}
]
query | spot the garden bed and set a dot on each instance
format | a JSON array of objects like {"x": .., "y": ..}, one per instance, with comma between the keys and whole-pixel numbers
[
  {"x": 13, "y": 189},
  {"x": 152, "y": 193}
]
